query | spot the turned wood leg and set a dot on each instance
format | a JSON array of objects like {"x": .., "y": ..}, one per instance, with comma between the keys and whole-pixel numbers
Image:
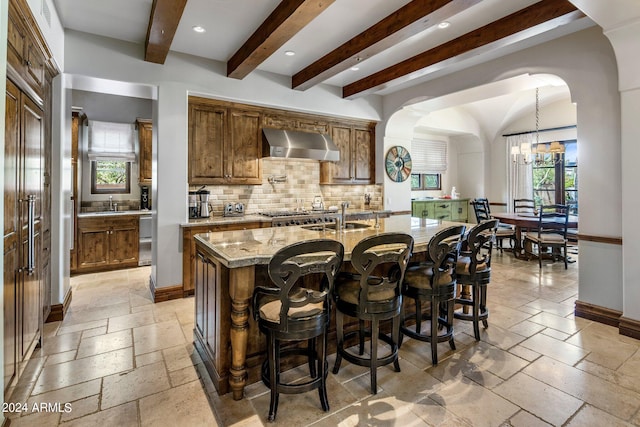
[{"x": 241, "y": 283}]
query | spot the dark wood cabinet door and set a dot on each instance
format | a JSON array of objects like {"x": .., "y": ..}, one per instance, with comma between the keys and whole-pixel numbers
[
  {"x": 213, "y": 316},
  {"x": 200, "y": 282},
  {"x": 124, "y": 243},
  {"x": 207, "y": 134},
  {"x": 11, "y": 147},
  {"x": 340, "y": 171},
  {"x": 93, "y": 247},
  {"x": 144, "y": 139},
  {"x": 363, "y": 157},
  {"x": 34, "y": 62},
  {"x": 244, "y": 147},
  {"x": 10, "y": 314},
  {"x": 31, "y": 156},
  {"x": 16, "y": 39}
]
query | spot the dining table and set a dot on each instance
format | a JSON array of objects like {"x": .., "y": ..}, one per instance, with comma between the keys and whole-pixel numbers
[{"x": 525, "y": 221}]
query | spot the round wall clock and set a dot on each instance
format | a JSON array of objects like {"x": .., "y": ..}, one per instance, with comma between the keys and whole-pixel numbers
[{"x": 398, "y": 163}]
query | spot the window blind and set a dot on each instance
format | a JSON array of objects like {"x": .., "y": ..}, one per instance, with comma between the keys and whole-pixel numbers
[
  {"x": 428, "y": 156},
  {"x": 111, "y": 141}
]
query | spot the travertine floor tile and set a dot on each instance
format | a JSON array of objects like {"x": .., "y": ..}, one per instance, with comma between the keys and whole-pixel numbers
[
  {"x": 124, "y": 415},
  {"x": 104, "y": 343},
  {"x": 586, "y": 387},
  {"x": 69, "y": 394},
  {"x": 77, "y": 371},
  {"x": 540, "y": 399},
  {"x": 590, "y": 416},
  {"x": 559, "y": 350},
  {"x": 157, "y": 336},
  {"x": 134, "y": 384},
  {"x": 603, "y": 350},
  {"x": 185, "y": 405},
  {"x": 129, "y": 321},
  {"x": 82, "y": 407},
  {"x": 525, "y": 419}
]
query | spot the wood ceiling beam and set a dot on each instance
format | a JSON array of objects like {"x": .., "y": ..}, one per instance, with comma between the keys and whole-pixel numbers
[
  {"x": 528, "y": 22},
  {"x": 405, "y": 22},
  {"x": 289, "y": 17},
  {"x": 163, "y": 23}
]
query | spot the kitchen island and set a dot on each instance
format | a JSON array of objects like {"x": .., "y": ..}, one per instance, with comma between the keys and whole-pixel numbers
[{"x": 228, "y": 266}]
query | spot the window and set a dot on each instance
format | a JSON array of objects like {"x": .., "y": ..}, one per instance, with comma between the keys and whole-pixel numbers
[
  {"x": 425, "y": 181},
  {"x": 555, "y": 178},
  {"x": 110, "y": 176}
]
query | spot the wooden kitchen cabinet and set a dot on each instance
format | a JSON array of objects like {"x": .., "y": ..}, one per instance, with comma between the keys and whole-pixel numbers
[
  {"x": 294, "y": 122},
  {"x": 107, "y": 243},
  {"x": 144, "y": 140},
  {"x": 356, "y": 143},
  {"x": 24, "y": 53},
  {"x": 224, "y": 144},
  {"x": 189, "y": 248}
]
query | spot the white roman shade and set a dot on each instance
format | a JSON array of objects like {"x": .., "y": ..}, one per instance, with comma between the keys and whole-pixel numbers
[
  {"x": 428, "y": 156},
  {"x": 111, "y": 141}
]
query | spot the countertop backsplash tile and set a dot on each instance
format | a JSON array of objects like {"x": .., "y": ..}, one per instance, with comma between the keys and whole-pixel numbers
[{"x": 291, "y": 180}]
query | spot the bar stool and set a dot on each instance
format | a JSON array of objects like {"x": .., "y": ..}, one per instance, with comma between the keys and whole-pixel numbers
[
  {"x": 434, "y": 281},
  {"x": 289, "y": 312},
  {"x": 473, "y": 270},
  {"x": 372, "y": 294}
]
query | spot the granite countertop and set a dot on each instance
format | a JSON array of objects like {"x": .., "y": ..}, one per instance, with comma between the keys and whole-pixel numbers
[
  {"x": 250, "y": 247},
  {"x": 113, "y": 213}
]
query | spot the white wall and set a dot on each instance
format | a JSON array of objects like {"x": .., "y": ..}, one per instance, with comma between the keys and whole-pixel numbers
[{"x": 88, "y": 55}]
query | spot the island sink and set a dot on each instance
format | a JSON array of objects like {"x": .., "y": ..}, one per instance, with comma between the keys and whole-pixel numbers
[{"x": 348, "y": 226}]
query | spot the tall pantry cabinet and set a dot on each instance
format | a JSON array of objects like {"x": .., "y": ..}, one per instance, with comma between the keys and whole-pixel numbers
[{"x": 27, "y": 195}]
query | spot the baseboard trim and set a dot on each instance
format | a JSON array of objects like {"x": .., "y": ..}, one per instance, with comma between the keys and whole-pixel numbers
[
  {"x": 629, "y": 327},
  {"x": 58, "y": 311},
  {"x": 599, "y": 314},
  {"x": 165, "y": 293}
]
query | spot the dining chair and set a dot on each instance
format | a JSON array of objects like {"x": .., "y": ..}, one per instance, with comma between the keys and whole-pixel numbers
[
  {"x": 524, "y": 206},
  {"x": 372, "y": 294},
  {"x": 550, "y": 238},
  {"x": 473, "y": 274},
  {"x": 433, "y": 281},
  {"x": 289, "y": 312},
  {"x": 483, "y": 213}
]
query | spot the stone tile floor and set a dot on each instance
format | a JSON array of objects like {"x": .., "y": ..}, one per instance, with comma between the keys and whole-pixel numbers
[{"x": 119, "y": 360}]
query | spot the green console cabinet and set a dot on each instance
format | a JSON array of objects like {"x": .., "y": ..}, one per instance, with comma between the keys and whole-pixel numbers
[{"x": 443, "y": 209}]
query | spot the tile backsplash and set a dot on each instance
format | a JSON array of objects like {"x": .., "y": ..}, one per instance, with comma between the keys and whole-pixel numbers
[{"x": 286, "y": 180}]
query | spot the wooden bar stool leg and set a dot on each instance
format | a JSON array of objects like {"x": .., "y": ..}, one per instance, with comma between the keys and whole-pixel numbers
[
  {"x": 340, "y": 338},
  {"x": 434, "y": 331},
  {"x": 375, "y": 323},
  {"x": 311, "y": 356},
  {"x": 395, "y": 338},
  {"x": 322, "y": 391}
]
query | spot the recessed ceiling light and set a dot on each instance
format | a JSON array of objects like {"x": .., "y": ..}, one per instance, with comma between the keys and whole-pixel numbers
[
  {"x": 199, "y": 29},
  {"x": 355, "y": 68},
  {"x": 289, "y": 53},
  {"x": 444, "y": 24}
]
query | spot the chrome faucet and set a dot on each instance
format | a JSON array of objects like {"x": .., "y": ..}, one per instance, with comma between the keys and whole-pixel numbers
[
  {"x": 110, "y": 203},
  {"x": 344, "y": 206}
]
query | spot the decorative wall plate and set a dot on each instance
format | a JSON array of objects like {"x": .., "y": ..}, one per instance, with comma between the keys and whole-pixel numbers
[{"x": 398, "y": 163}]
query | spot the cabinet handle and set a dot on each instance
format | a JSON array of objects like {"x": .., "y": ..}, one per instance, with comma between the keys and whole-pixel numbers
[{"x": 30, "y": 232}]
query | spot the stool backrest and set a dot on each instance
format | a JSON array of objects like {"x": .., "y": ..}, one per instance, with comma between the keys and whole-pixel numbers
[
  {"x": 553, "y": 219},
  {"x": 524, "y": 206},
  {"x": 293, "y": 262},
  {"x": 443, "y": 250},
  {"x": 392, "y": 250},
  {"x": 479, "y": 244}
]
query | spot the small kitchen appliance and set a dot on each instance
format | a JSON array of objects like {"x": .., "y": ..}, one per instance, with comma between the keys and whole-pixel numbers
[
  {"x": 203, "y": 202},
  {"x": 233, "y": 209},
  {"x": 194, "y": 206},
  {"x": 144, "y": 197}
]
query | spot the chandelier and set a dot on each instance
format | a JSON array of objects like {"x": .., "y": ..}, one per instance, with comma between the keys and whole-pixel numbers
[{"x": 540, "y": 153}]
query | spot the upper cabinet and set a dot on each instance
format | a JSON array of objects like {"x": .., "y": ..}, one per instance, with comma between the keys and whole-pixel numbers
[
  {"x": 357, "y": 155},
  {"x": 224, "y": 144},
  {"x": 24, "y": 53},
  {"x": 144, "y": 139}
]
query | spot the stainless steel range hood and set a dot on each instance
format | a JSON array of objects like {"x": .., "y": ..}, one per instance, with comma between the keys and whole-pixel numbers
[{"x": 298, "y": 145}]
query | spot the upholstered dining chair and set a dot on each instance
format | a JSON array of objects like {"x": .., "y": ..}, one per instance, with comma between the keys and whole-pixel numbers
[
  {"x": 550, "y": 239},
  {"x": 372, "y": 294},
  {"x": 287, "y": 312},
  {"x": 473, "y": 274},
  {"x": 433, "y": 281}
]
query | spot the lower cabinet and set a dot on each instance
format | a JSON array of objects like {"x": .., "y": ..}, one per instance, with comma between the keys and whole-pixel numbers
[
  {"x": 442, "y": 209},
  {"x": 107, "y": 243},
  {"x": 207, "y": 282},
  {"x": 189, "y": 248}
]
